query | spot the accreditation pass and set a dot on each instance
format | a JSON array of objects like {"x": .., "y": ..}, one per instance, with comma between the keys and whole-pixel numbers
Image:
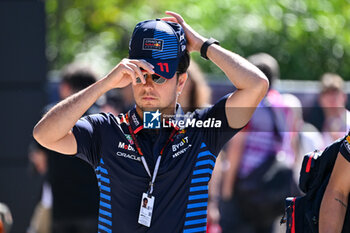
[{"x": 146, "y": 210}]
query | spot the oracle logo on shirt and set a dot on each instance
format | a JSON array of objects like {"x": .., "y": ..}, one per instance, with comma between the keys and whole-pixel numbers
[{"x": 128, "y": 156}]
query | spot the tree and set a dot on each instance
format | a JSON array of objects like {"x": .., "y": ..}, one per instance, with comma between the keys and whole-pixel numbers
[{"x": 307, "y": 37}]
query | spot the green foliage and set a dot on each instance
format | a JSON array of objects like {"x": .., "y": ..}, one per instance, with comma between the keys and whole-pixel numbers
[{"x": 307, "y": 37}]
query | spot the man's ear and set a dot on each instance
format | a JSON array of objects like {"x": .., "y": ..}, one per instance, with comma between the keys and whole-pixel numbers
[{"x": 181, "y": 82}]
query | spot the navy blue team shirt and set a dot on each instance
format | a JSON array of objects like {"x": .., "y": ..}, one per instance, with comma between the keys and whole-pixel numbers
[{"x": 181, "y": 186}]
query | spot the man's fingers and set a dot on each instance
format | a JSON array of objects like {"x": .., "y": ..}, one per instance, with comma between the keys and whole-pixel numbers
[
  {"x": 133, "y": 69},
  {"x": 138, "y": 72},
  {"x": 144, "y": 65},
  {"x": 169, "y": 19},
  {"x": 129, "y": 71},
  {"x": 175, "y": 15},
  {"x": 149, "y": 67}
]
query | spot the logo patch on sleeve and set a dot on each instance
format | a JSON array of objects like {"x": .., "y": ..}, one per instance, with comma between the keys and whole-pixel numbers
[
  {"x": 152, "y": 44},
  {"x": 347, "y": 144}
]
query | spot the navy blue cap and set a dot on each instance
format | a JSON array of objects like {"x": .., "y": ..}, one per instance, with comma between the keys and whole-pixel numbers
[{"x": 160, "y": 43}]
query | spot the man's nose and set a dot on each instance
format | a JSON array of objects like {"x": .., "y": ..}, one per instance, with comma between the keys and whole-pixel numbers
[{"x": 149, "y": 81}]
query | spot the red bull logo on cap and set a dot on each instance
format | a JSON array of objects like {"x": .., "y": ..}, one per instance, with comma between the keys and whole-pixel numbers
[{"x": 152, "y": 44}]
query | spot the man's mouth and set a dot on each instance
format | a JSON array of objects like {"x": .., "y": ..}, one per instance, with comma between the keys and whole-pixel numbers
[{"x": 148, "y": 98}]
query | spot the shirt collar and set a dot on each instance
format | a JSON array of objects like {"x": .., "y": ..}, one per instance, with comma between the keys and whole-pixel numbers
[{"x": 136, "y": 122}]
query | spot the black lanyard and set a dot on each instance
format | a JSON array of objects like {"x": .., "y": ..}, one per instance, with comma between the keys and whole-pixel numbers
[{"x": 156, "y": 168}]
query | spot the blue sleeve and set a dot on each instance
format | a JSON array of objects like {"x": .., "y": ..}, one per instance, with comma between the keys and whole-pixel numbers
[
  {"x": 216, "y": 137},
  {"x": 87, "y": 132}
]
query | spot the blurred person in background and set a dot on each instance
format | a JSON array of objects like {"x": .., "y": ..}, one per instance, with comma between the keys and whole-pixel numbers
[
  {"x": 305, "y": 136},
  {"x": 73, "y": 193},
  {"x": 266, "y": 135},
  {"x": 114, "y": 103},
  {"x": 128, "y": 97},
  {"x": 41, "y": 219},
  {"x": 333, "y": 101},
  {"x": 196, "y": 93},
  {"x": 6, "y": 220}
]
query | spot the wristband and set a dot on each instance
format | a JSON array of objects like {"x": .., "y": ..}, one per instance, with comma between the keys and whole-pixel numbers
[{"x": 205, "y": 46}]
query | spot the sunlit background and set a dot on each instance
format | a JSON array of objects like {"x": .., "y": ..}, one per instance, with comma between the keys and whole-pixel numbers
[{"x": 307, "y": 37}]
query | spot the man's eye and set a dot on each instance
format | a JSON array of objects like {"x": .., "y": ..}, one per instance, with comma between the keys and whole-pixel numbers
[{"x": 158, "y": 79}]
